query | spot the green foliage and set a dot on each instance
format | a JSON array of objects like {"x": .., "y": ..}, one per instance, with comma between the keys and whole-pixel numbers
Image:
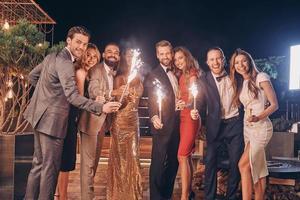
[
  {"x": 57, "y": 47},
  {"x": 271, "y": 65},
  {"x": 22, "y": 46}
]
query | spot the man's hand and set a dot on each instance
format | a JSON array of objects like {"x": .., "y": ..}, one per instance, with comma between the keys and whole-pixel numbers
[
  {"x": 110, "y": 107},
  {"x": 156, "y": 122},
  {"x": 119, "y": 91},
  {"x": 100, "y": 99},
  {"x": 195, "y": 114}
]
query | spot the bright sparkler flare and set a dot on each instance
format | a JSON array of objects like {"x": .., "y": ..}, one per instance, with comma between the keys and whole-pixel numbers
[
  {"x": 159, "y": 95},
  {"x": 136, "y": 63},
  {"x": 194, "y": 92}
]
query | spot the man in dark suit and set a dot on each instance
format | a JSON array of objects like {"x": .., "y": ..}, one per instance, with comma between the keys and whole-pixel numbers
[
  {"x": 55, "y": 90},
  {"x": 165, "y": 131},
  {"x": 223, "y": 122}
]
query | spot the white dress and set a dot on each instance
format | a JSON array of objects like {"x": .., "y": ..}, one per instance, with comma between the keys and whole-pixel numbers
[{"x": 257, "y": 134}]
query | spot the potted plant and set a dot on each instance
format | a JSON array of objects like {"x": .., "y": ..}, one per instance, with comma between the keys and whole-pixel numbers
[{"x": 22, "y": 47}]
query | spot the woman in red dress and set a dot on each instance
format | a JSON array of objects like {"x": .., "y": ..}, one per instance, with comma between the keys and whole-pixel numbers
[{"x": 185, "y": 63}]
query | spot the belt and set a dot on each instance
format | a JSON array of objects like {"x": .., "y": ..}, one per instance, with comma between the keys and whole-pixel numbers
[{"x": 232, "y": 119}]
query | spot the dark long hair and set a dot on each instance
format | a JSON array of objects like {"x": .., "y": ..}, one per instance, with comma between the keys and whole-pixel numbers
[
  {"x": 237, "y": 79},
  {"x": 124, "y": 67},
  {"x": 190, "y": 64}
]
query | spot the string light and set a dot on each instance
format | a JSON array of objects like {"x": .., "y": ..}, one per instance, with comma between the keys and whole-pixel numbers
[{"x": 6, "y": 25}]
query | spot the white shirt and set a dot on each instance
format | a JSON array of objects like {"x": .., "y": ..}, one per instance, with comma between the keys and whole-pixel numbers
[
  {"x": 172, "y": 79},
  {"x": 72, "y": 57},
  {"x": 226, "y": 97},
  {"x": 110, "y": 77}
]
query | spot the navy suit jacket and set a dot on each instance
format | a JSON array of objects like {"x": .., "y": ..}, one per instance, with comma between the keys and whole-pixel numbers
[{"x": 208, "y": 103}]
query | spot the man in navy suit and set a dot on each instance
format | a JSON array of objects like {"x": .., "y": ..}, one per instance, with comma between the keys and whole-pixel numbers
[
  {"x": 223, "y": 122},
  {"x": 165, "y": 130}
]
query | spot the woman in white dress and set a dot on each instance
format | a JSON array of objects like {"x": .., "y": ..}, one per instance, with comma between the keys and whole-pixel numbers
[{"x": 254, "y": 90}]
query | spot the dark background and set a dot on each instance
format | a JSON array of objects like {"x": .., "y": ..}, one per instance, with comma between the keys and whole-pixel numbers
[{"x": 264, "y": 28}]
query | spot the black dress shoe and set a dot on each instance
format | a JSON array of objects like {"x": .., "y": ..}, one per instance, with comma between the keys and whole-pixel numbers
[{"x": 192, "y": 195}]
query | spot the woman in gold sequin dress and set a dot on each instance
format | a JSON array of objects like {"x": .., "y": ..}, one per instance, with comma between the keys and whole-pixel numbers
[{"x": 124, "y": 176}]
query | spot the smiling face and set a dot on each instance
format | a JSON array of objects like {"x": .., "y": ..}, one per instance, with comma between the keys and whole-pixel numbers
[
  {"x": 92, "y": 58},
  {"x": 180, "y": 60},
  {"x": 242, "y": 65},
  {"x": 77, "y": 44},
  {"x": 215, "y": 61},
  {"x": 111, "y": 55},
  {"x": 164, "y": 55}
]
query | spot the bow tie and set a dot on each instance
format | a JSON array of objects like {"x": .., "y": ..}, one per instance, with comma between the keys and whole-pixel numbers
[
  {"x": 219, "y": 78},
  {"x": 168, "y": 70}
]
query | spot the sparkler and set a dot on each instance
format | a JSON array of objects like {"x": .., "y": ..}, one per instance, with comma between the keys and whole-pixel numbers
[
  {"x": 194, "y": 92},
  {"x": 136, "y": 63},
  {"x": 159, "y": 95}
]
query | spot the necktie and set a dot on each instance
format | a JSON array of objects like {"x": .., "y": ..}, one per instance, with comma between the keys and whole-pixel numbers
[{"x": 219, "y": 78}]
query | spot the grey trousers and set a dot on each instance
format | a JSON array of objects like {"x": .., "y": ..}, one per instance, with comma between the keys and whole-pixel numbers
[
  {"x": 90, "y": 151},
  {"x": 43, "y": 175}
]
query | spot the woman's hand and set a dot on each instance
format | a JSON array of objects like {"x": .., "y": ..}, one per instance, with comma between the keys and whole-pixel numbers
[
  {"x": 100, "y": 99},
  {"x": 195, "y": 114},
  {"x": 253, "y": 118},
  {"x": 180, "y": 104}
]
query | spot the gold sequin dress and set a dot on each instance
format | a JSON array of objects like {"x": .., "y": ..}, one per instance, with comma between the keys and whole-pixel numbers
[{"x": 124, "y": 175}]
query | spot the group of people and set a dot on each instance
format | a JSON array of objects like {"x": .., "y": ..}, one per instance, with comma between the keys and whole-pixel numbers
[{"x": 75, "y": 92}]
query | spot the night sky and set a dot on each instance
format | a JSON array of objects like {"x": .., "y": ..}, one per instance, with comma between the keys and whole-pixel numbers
[{"x": 263, "y": 28}]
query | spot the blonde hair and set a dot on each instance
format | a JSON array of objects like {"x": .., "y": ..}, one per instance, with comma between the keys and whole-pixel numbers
[{"x": 82, "y": 63}]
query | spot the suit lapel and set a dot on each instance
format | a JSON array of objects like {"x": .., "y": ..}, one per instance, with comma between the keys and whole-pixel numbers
[
  {"x": 165, "y": 79},
  {"x": 104, "y": 75},
  {"x": 212, "y": 83}
]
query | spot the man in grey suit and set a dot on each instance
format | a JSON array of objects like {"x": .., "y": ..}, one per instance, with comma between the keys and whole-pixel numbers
[
  {"x": 55, "y": 89},
  {"x": 92, "y": 127}
]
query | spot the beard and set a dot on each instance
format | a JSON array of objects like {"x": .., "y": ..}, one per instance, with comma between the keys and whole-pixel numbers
[
  {"x": 166, "y": 62},
  {"x": 112, "y": 64}
]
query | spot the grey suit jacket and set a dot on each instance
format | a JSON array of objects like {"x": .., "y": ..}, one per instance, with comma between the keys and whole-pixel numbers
[
  {"x": 98, "y": 85},
  {"x": 55, "y": 89}
]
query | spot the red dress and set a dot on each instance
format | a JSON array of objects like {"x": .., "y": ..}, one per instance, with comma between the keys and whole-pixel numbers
[{"x": 188, "y": 126}]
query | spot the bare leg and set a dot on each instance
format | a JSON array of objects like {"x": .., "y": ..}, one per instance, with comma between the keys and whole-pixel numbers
[
  {"x": 246, "y": 178},
  {"x": 186, "y": 176},
  {"x": 260, "y": 188},
  {"x": 62, "y": 186}
]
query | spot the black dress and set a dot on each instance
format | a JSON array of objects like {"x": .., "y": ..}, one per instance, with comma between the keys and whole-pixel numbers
[{"x": 68, "y": 159}]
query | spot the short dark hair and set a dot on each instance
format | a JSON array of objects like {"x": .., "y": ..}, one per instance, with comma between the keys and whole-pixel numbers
[
  {"x": 215, "y": 49},
  {"x": 111, "y": 44},
  {"x": 79, "y": 30}
]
